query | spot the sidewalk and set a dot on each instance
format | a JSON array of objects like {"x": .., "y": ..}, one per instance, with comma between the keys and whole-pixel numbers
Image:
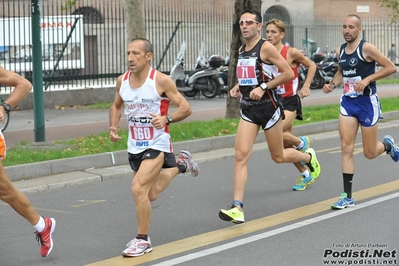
[{"x": 72, "y": 123}]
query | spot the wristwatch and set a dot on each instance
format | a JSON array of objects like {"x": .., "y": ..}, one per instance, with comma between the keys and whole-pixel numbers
[
  {"x": 169, "y": 118},
  {"x": 263, "y": 86},
  {"x": 6, "y": 107}
]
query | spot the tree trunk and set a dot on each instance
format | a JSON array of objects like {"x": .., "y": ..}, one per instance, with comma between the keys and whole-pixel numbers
[
  {"x": 134, "y": 20},
  {"x": 232, "y": 105}
]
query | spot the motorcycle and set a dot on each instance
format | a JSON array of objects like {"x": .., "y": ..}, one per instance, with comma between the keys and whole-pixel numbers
[
  {"x": 320, "y": 78},
  {"x": 330, "y": 64},
  {"x": 203, "y": 79}
]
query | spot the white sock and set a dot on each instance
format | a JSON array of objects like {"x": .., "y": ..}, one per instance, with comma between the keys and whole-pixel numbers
[
  {"x": 40, "y": 225},
  {"x": 300, "y": 146},
  {"x": 306, "y": 173}
]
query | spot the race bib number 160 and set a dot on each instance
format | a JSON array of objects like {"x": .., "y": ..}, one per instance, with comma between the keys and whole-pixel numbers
[{"x": 142, "y": 133}]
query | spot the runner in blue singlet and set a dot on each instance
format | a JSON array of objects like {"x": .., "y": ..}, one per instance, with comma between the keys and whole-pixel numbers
[{"x": 359, "y": 102}]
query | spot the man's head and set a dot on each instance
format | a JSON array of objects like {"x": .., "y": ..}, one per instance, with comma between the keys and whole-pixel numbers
[
  {"x": 393, "y": 45},
  {"x": 250, "y": 23},
  {"x": 139, "y": 54},
  {"x": 351, "y": 28},
  {"x": 275, "y": 31}
]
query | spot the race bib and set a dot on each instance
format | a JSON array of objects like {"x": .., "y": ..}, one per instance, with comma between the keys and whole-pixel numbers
[
  {"x": 246, "y": 72},
  {"x": 349, "y": 86},
  {"x": 142, "y": 133},
  {"x": 281, "y": 89}
]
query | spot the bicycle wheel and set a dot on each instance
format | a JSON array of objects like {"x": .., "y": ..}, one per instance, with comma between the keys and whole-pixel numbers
[{"x": 4, "y": 123}]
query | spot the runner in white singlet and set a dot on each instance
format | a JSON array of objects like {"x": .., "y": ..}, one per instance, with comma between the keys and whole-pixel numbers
[{"x": 146, "y": 94}]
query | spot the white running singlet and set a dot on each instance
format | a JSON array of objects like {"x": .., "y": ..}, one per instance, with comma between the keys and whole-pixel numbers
[{"x": 140, "y": 103}]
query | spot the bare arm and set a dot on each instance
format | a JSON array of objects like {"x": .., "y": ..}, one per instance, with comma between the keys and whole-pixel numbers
[
  {"x": 235, "y": 91},
  {"x": 21, "y": 86},
  {"x": 371, "y": 53},
  {"x": 165, "y": 85},
  {"x": 115, "y": 112},
  {"x": 299, "y": 58},
  {"x": 270, "y": 54},
  {"x": 337, "y": 80}
]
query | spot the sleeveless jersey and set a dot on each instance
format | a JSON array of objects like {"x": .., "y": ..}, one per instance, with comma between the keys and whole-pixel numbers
[
  {"x": 291, "y": 87},
  {"x": 139, "y": 104},
  {"x": 251, "y": 72},
  {"x": 355, "y": 68}
]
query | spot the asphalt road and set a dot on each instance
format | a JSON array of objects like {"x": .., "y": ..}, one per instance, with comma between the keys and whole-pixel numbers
[{"x": 283, "y": 227}]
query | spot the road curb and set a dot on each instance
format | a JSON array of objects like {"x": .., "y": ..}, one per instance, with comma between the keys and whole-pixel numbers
[{"x": 57, "y": 174}]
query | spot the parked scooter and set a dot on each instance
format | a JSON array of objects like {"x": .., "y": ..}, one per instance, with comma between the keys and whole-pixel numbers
[
  {"x": 320, "y": 77},
  {"x": 203, "y": 79},
  {"x": 330, "y": 64}
]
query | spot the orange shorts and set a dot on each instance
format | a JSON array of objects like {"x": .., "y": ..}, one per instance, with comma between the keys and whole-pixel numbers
[{"x": 2, "y": 147}]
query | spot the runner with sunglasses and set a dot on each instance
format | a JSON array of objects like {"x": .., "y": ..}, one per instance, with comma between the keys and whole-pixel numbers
[{"x": 258, "y": 78}]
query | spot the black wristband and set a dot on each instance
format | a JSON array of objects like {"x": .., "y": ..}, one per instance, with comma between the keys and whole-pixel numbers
[{"x": 333, "y": 85}]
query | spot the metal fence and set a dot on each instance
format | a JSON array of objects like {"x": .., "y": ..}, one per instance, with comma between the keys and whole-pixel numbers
[{"x": 85, "y": 45}]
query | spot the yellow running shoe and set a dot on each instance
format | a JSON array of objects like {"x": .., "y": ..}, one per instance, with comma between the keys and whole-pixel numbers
[
  {"x": 313, "y": 165},
  {"x": 232, "y": 214}
]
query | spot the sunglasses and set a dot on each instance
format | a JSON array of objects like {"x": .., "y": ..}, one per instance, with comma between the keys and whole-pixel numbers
[{"x": 247, "y": 22}]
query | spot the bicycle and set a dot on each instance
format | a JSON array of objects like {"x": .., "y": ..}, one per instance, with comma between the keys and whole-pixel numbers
[{"x": 5, "y": 121}]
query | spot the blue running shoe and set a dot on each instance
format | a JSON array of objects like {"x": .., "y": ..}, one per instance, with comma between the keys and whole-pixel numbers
[
  {"x": 303, "y": 182},
  {"x": 394, "y": 152},
  {"x": 306, "y": 142},
  {"x": 343, "y": 202}
]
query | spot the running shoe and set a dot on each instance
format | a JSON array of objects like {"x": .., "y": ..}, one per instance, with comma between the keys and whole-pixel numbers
[
  {"x": 303, "y": 182},
  {"x": 232, "y": 214},
  {"x": 306, "y": 142},
  {"x": 313, "y": 165},
  {"x": 186, "y": 158},
  {"x": 343, "y": 202},
  {"x": 137, "y": 247},
  {"x": 44, "y": 237},
  {"x": 394, "y": 152}
]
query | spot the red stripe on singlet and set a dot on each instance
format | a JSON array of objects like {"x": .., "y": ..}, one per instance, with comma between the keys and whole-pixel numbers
[
  {"x": 152, "y": 73},
  {"x": 126, "y": 76}
]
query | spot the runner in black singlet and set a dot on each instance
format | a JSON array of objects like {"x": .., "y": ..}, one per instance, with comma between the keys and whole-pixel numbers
[{"x": 258, "y": 78}]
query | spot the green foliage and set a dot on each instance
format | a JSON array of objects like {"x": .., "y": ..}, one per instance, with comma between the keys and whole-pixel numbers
[
  {"x": 25, "y": 152},
  {"x": 391, "y": 4},
  {"x": 69, "y": 4},
  {"x": 388, "y": 81}
]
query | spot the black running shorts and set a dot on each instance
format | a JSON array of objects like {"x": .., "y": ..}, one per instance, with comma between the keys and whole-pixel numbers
[
  {"x": 266, "y": 118},
  {"x": 293, "y": 104},
  {"x": 136, "y": 159}
]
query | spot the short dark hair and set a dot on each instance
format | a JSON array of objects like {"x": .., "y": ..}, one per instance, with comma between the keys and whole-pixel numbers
[
  {"x": 357, "y": 17},
  {"x": 148, "y": 48},
  {"x": 254, "y": 12}
]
